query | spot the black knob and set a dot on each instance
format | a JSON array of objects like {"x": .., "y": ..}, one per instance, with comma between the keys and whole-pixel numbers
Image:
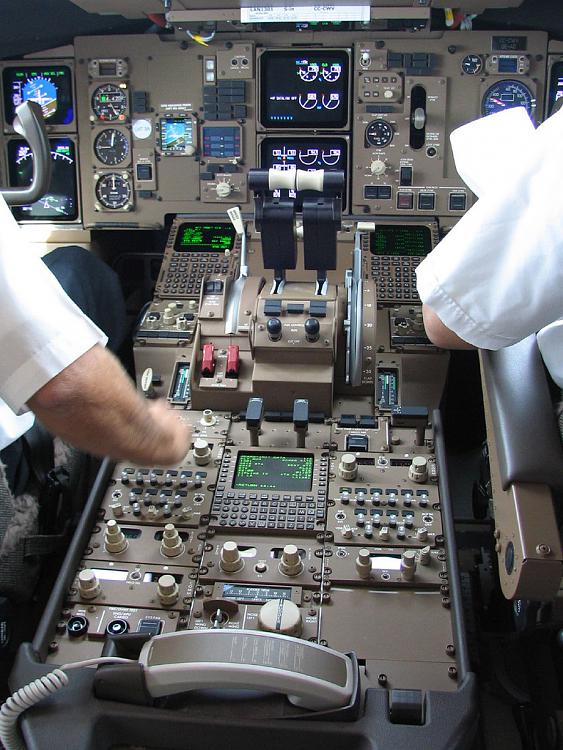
[
  {"x": 274, "y": 328},
  {"x": 312, "y": 328}
]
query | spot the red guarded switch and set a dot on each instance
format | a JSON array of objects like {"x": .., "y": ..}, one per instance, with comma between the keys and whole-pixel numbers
[
  {"x": 233, "y": 361},
  {"x": 207, "y": 361}
]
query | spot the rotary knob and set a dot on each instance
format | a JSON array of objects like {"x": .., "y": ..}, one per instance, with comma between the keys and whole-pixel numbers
[
  {"x": 418, "y": 470},
  {"x": 223, "y": 189},
  {"x": 171, "y": 544},
  {"x": 312, "y": 328},
  {"x": 363, "y": 563},
  {"x": 202, "y": 452},
  {"x": 231, "y": 561},
  {"x": 408, "y": 564},
  {"x": 424, "y": 557},
  {"x": 274, "y": 328},
  {"x": 114, "y": 538},
  {"x": 290, "y": 563},
  {"x": 88, "y": 584},
  {"x": 348, "y": 467},
  {"x": 167, "y": 590},
  {"x": 422, "y": 534},
  {"x": 170, "y": 312},
  {"x": 280, "y": 616},
  {"x": 378, "y": 167}
]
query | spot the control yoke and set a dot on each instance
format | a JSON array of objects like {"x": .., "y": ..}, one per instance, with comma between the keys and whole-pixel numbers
[
  {"x": 30, "y": 124},
  {"x": 275, "y": 219}
]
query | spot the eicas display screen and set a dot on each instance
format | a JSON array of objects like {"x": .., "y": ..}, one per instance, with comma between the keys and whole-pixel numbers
[
  {"x": 60, "y": 202},
  {"x": 307, "y": 154},
  {"x": 289, "y": 472},
  {"x": 304, "y": 89},
  {"x": 205, "y": 238},
  {"x": 50, "y": 87},
  {"x": 391, "y": 239}
]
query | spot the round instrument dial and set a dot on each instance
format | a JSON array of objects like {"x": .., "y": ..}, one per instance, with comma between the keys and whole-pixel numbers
[
  {"x": 113, "y": 191},
  {"x": 111, "y": 147},
  {"x": 505, "y": 95},
  {"x": 109, "y": 102},
  {"x": 379, "y": 133},
  {"x": 471, "y": 64}
]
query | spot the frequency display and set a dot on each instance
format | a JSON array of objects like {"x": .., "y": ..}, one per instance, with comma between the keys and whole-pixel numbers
[
  {"x": 60, "y": 202},
  {"x": 304, "y": 89},
  {"x": 50, "y": 87},
  {"x": 391, "y": 239},
  {"x": 308, "y": 154},
  {"x": 289, "y": 472},
  {"x": 205, "y": 238}
]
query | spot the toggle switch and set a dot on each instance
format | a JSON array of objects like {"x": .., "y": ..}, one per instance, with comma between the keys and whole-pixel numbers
[
  {"x": 301, "y": 420},
  {"x": 114, "y": 538},
  {"x": 88, "y": 584},
  {"x": 231, "y": 561},
  {"x": 208, "y": 361}
]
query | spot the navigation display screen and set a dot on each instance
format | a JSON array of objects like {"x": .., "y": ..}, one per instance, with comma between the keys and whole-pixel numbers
[
  {"x": 391, "y": 239},
  {"x": 49, "y": 86},
  {"x": 308, "y": 154},
  {"x": 290, "y": 472},
  {"x": 555, "y": 86},
  {"x": 204, "y": 238},
  {"x": 60, "y": 203},
  {"x": 176, "y": 135},
  {"x": 304, "y": 89}
]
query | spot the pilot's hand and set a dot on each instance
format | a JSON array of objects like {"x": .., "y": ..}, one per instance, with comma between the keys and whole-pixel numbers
[{"x": 175, "y": 435}]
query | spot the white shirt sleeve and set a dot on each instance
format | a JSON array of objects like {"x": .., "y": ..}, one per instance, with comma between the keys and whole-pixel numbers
[
  {"x": 498, "y": 275},
  {"x": 42, "y": 331}
]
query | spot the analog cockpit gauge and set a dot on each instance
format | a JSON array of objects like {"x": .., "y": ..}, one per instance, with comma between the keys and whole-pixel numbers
[
  {"x": 109, "y": 102},
  {"x": 505, "y": 95},
  {"x": 379, "y": 133},
  {"x": 113, "y": 191},
  {"x": 471, "y": 65},
  {"x": 111, "y": 147}
]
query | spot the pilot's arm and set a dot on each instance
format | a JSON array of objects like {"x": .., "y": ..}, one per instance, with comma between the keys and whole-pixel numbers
[{"x": 53, "y": 362}]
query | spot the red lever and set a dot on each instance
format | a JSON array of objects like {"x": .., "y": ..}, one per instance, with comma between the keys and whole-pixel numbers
[
  {"x": 207, "y": 362},
  {"x": 233, "y": 361}
]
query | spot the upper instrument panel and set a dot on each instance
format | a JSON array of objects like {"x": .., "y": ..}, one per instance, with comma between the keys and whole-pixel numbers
[{"x": 164, "y": 126}]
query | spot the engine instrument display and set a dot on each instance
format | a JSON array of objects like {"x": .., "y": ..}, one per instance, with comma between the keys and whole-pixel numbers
[
  {"x": 308, "y": 154},
  {"x": 505, "y": 95},
  {"x": 50, "y": 87},
  {"x": 176, "y": 136},
  {"x": 205, "y": 238},
  {"x": 290, "y": 472},
  {"x": 111, "y": 147},
  {"x": 109, "y": 102},
  {"x": 304, "y": 89},
  {"x": 113, "y": 191},
  {"x": 60, "y": 203},
  {"x": 391, "y": 239}
]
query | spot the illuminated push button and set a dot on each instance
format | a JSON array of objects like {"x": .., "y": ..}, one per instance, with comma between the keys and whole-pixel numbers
[
  {"x": 167, "y": 590},
  {"x": 348, "y": 467},
  {"x": 361, "y": 519},
  {"x": 88, "y": 584},
  {"x": 231, "y": 561},
  {"x": 408, "y": 564},
  {"x": 368, "y": 531},
  {"x": 418, "y": 470},
  {"x": 424, "y": 557},
  {"x": 171, "y": 544},
  {"x": 345, "y": 498},
  {"x": 280, "y": 616},
  {"x": 202, "y": 452},
  {"x": 114, "y": 539},
  {"x": 290, "y": 563},
  {"x": 422, "y": 534},
  {"x": 363, "y": 563}
]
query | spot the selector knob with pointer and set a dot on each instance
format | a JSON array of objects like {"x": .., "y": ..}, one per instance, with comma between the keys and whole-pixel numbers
[
  {"x": 274, "y": 328},
  {"x": 312, "y": 328}
]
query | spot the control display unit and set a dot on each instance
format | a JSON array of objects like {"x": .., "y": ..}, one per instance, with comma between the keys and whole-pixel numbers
[
  {"x": 291, "y": 472},
  {"x": 304, "y": 89},
  {"x": 205, "y": 238},
  {"x": 305, "y": 153},
  {"x": 60, "y": 203},
  {"x": 176, "y": 135},
  {"x": 391, "y": 239},
  {"x": 50, "y": 87}
]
